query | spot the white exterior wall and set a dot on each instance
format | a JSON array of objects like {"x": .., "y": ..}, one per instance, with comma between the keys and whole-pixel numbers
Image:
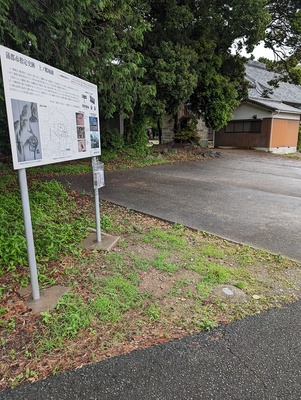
[{"x": 247, "y": 111}]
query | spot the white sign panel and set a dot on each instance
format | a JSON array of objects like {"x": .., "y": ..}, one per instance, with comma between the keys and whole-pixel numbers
[{"x": 52, "y": 115}]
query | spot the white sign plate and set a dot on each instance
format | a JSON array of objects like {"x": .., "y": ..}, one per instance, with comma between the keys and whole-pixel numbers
[{"x": 52, "y": 115}]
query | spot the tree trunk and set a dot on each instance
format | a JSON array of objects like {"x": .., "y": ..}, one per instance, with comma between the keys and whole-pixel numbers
[{"x": 159, "y": 130}]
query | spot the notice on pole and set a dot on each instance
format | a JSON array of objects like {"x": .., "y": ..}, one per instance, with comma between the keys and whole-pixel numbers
[{"x": 52, "y": 115}]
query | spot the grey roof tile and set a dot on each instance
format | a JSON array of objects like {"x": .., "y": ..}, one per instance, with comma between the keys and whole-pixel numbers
[{"x": 258, "y": 76}]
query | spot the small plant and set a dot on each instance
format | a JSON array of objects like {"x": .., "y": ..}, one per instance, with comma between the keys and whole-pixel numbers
[
  {"x": 215, "y": 274},
  {"x": 153, "y": 312},
  {"x": 16, "y": 381},
  {"x": 11, "y": 324},
  {"x": 179, "y": 284},
  {"x": 170, "y": 239},
  {"x": 115, "y": 260},
  {"x": 240, "y": 285},
  {"x": 106, "y": 223},
  {"x": 66, "y": 321},
  {"x": 211, "y": 250},
  {"x": 162, "y": 264},
  {"x": 245, "y": 256},
  {"x": 118, "y": 295},
  {"x": 206, "y": 324},
  {"x": 204, "y": 290}
]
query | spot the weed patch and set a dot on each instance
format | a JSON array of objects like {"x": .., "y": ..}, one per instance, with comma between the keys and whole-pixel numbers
[{"x": 57, "y": 226}]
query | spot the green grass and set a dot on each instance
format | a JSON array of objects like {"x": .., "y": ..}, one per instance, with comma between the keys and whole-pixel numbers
[
  {"x": 171, "y": 239},
  {"x": 78, "y": 167},
  {"x": 162, "y": 263},
  {"x": 153, "y": 312},
  {"x": 73, "y": 315},
  {"x": 293, "y": 155}
]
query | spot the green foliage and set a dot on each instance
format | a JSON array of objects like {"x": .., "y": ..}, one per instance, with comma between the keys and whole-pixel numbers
[
  {"x": 55, "y": 231},
  {"x": 106, "y": 222},
  {"x": 153, "y": 312},
  {"x": 206, "y": 324},
  {"x": 173, "y": 73},
  {"x": 152, "y": 58},
  {"x": 136, "y": 135},
  {"x": 187, "y": 130},
  {"x": 78, "y": 167},
  {"x": 72, "y": 315},
  {"x": 112, "y": 139},
  {"x": 96, "y": 41},
  {"x": 283, "y": 36},
  {"x": 187, "y": 59},
  {"x": 70, "y": 318}
]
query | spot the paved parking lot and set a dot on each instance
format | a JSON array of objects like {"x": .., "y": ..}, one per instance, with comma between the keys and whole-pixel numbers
[{"x": 245, "y": 196}]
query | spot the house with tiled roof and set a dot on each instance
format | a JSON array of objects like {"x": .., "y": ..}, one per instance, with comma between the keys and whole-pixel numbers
[{"x": 268, "y": 119}]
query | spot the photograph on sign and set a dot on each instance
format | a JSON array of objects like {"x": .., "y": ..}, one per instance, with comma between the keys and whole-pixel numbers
[
  {"x": 52, "y": 115},
  {"x": 27, "y": 131}
]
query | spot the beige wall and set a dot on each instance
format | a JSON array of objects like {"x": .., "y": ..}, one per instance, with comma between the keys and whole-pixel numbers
[{"x": 285, "y": 133}]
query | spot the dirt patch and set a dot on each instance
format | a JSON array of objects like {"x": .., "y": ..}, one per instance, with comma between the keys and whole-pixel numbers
[{"x": 160, "y": 284}]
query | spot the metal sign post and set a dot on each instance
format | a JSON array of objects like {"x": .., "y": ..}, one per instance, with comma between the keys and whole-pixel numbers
[
  {"x": 29, "y": 234},
  {"x": 98, "y": 181}
]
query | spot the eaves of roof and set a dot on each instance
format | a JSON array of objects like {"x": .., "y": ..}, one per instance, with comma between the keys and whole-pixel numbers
[{"x": 273, "y": 105}]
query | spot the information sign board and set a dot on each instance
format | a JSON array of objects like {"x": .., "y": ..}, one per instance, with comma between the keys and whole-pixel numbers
[{"x": 52, "y": 115}]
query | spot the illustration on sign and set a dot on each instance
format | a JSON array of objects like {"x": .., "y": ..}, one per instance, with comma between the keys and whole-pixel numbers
[{"x": 52, "y": 115}]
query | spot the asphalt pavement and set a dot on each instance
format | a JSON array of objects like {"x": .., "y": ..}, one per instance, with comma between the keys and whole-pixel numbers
[
  {"x": 257, "y": 358},
  {"x": 243, "y": 196},
  {"x": 248, "y": 197}
]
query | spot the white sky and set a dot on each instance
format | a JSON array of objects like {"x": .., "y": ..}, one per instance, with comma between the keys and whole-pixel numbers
[{"x": 260, "y": 51}]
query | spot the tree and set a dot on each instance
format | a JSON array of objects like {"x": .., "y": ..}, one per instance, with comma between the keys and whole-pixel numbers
[
  {"x": 283, "y": 37},
  {"x": 148, "y": 57},
  {"x": 187, "y": 54},
  {"x": 95, "y": 40}
]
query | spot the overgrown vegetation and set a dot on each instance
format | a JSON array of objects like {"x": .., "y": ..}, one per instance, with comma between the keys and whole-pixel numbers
[
  {"x": 155, "y": 286},
  {"x": 57, "y": 225}
]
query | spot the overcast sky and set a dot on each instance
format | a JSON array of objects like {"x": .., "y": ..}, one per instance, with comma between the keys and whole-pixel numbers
[{"x": 259, "y": 51}]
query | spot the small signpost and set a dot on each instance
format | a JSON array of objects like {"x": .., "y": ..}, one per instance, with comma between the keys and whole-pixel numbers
[
  {"x": 52, "y": 117},
  {"x": 99, "y": 182}
]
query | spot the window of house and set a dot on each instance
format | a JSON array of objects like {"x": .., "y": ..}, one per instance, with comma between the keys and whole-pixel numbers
[{"x": 244, "y": 126}]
